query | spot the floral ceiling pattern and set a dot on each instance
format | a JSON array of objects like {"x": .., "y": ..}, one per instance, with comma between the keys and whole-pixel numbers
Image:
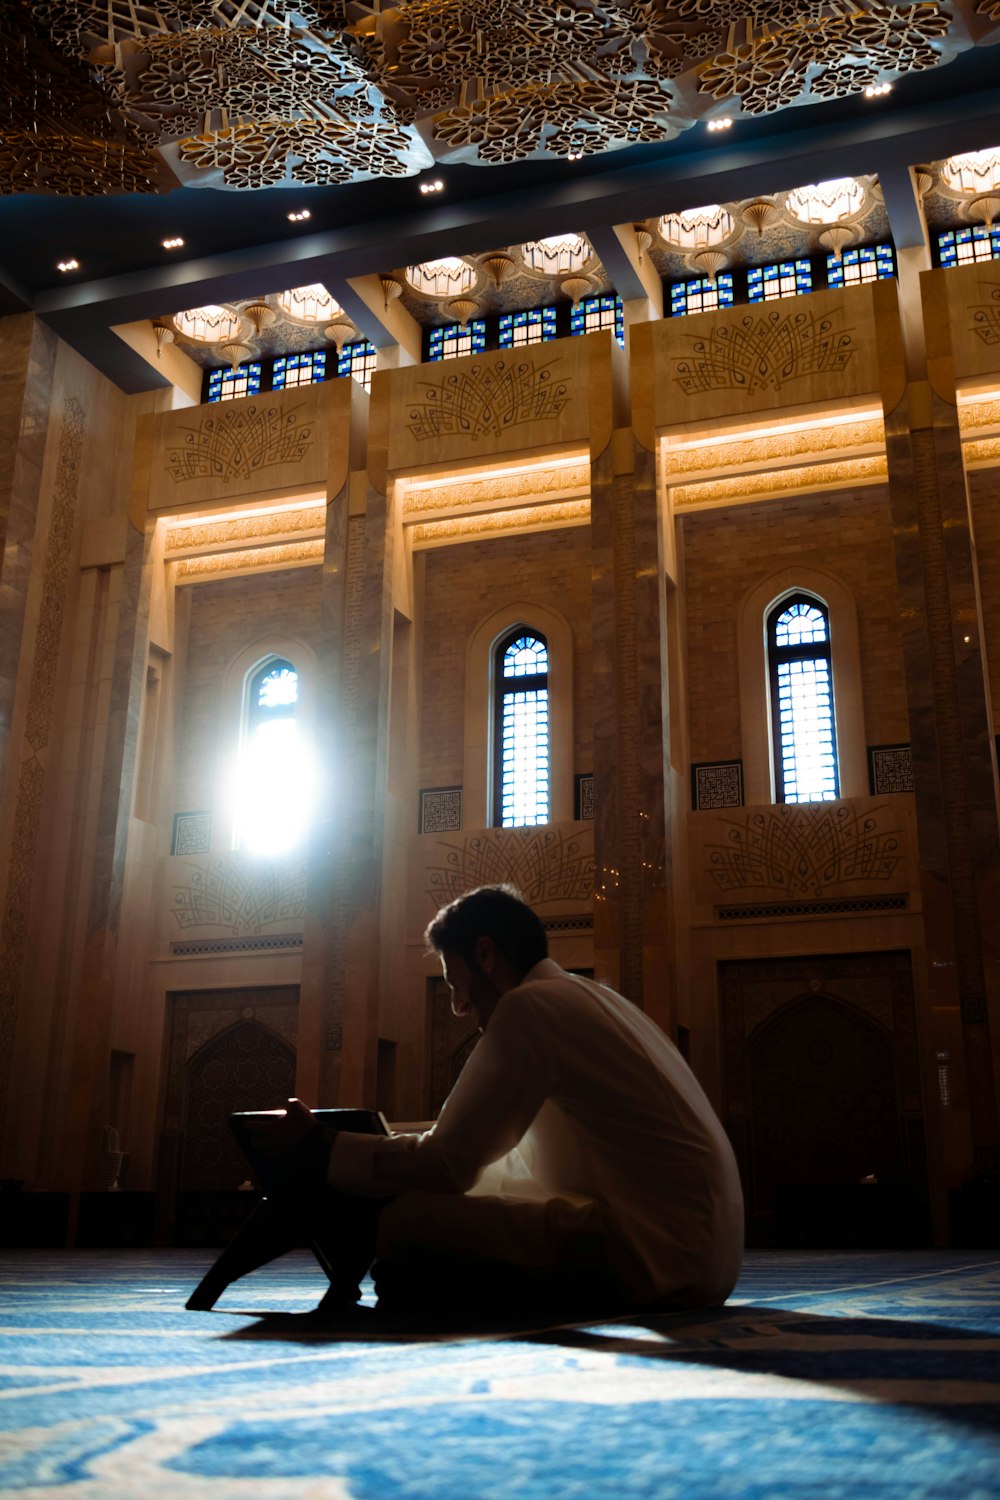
[{"x": 108, "y": 96}]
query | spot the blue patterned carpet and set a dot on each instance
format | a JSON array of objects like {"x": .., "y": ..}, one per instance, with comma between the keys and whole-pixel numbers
[{"x": 826, "y": 1376}]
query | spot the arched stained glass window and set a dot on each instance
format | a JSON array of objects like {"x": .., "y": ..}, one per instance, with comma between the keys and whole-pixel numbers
[
  {"x": 275, "y": 775},
  {"x": 805, "y": 741},
  {"x": 521, "y": 734}
]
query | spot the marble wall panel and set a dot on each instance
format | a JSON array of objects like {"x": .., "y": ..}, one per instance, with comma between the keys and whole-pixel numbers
[
  {"x": 484, "y": 407},
  {"x": 798, "y": 351},
  {"x": 272, "y": 444},
  {"x": 971, "y": 295}
]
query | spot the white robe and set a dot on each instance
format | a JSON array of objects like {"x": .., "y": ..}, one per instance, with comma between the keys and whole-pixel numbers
[{"x": 576, "y": 1135}]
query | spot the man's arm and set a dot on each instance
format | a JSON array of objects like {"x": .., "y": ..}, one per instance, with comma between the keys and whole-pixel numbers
[{"x": 501, "y": 1089}]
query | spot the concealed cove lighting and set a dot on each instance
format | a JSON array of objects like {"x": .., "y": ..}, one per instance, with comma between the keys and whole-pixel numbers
[
  {"x": 436, "y": 186},
  {"x": 720, "y": 124},
  {"x": 298, "y": 215},
  {"x": 68, "y": 265},
  {"x": 876, "y": 90},
  {"x": 174, "y": 243}
]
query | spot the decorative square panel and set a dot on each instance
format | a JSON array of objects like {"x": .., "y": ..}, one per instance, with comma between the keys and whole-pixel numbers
[
  {"x": 890, "y": 769},
  {"x": 716, "y": 784},
  {"x": 192, "y": 833},
  {"x": 584, "y": 798},
  {"x": 440, "y": 809}
]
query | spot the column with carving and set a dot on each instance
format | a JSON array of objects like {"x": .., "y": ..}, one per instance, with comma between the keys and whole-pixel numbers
[
  {"x": 340, "y": 973},
  {"x": 633, "y": 947},
  {"x": 953, "y": 774}
]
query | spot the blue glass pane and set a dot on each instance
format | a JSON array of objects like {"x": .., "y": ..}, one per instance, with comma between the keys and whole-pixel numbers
[
  {"x": 536, "y": 326},
  {"x": 358, "y": 360},
  {"x": 786, "y": 278},
  {"x": 701, "y": 294},
  {"x": 229, "y": 384},
  {"x": 298, "y": 369},
  {"x": 959, "y": 247},
  {"x": 525, "y": 657},
  {"x": 593, "y": 313},
  {"x": 452, "y": 341},
  {"x": 867, "y": 263}
]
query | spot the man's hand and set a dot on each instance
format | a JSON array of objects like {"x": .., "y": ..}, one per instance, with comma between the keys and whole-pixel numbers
[{"x": 275, "y": 1133}]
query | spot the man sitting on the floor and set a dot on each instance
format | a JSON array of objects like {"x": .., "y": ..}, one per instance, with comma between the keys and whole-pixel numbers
[{"x": 576, "y": 1155}]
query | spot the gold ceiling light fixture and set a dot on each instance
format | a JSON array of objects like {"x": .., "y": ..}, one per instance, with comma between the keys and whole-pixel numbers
[
  {"x": 260, "y": 316},
  {"x": 500, "y": 267},
  {"x": 836, "y": 239},
  {"x": 463, "y": 308},
  {"x": 576, "y": 287},
  {"x": 163, "y": 333},
  {"x": 760, "y": 213},
  {"x": 709, "y": 262},
  {"x": 391, "y": 289},
  {"x": 236, "y": 351},
  {"x": 643, "y": 241},
  {"x": 837, "y": 204},
  {"x": 340, "y": 331},
  {"x": 308, "y": 304},
  {"x": 212, "y": 324}
]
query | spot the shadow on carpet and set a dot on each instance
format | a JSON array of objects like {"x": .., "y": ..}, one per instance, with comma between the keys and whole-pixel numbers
[{"x": 826, "y": 1375}]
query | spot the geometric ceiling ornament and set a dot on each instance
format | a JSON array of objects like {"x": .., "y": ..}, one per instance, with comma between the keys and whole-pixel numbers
[
  {"x": 112, "y": 96},
  {"x": 558, "y": 255},
  {"x": 827, "y": 202},
  {"x": 208, "y": 325},
  {"x": 308, "y": 304},
  {"x": 697, "y": 228}
]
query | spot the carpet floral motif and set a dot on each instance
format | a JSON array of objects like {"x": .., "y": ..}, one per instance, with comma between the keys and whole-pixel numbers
[{"x": 835, "y": 1375}]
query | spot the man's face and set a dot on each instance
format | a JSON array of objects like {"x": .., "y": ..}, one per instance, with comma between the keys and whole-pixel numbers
[{"x": 472, "y": 994}]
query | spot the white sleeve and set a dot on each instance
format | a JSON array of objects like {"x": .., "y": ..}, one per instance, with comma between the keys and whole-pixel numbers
[{"x": 501, "y": 1089}]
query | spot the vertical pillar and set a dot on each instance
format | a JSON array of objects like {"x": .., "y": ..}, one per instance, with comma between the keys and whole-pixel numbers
[
  {"x": 633, "y": 938},
  {"x": 27, "y": 358},
  {"x": 953, "y": 769},
  {"x": 341, "y": 965}
]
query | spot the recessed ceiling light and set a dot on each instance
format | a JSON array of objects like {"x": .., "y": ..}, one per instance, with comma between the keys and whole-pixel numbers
[
  {"x": 876, "y": 90},
  {"x": 436, "y": 186},
  {"x": 68, "y": 265},
  {"x": 297, "y": 216},
  {"x": 722, "y": 124},
  {"x": 172, "y": 244}
]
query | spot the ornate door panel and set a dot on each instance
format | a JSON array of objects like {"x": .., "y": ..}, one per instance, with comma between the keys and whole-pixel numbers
[{"x": 822, "y": 1093}]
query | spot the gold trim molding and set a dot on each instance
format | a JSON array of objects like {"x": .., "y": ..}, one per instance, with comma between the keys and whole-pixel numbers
[
  {"x": 250, "y": 560},
  {"x": 502, "y": 522},
  {"x": 747, "y": 487}
]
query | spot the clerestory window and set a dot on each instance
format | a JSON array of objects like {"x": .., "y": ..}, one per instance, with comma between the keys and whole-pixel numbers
[
  {"x": 274, "y": 791},
  {"x": 521, "y": 729},
  {"x": 802, "y": 703}
]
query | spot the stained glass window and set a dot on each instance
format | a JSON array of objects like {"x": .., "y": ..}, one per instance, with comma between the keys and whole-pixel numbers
[
  {"x": 701, "y": 294},
  {"x": 869, "y": 263},
  {"x": 452, "y": 341},
  {"x": 536, "y": 326},
  {"x": 805, "y": 743},
  {"x": 592, "y": 313},
  {"x": 274, "y": 782},
  {"x": 230, "y": 385},
  {"x": 786, "y": 278},
  {"x": 961, "y": 247},
  {"x": 298, "y": 369},
  {"x": 358, "y": 360},
  {"x": 521, "y": 734}
]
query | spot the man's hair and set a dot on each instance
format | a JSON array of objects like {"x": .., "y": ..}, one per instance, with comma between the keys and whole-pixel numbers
[{"x": 493, "y": 911}]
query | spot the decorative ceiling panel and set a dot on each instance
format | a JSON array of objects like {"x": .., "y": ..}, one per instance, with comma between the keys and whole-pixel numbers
[{"x": 112, "y": 96}]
